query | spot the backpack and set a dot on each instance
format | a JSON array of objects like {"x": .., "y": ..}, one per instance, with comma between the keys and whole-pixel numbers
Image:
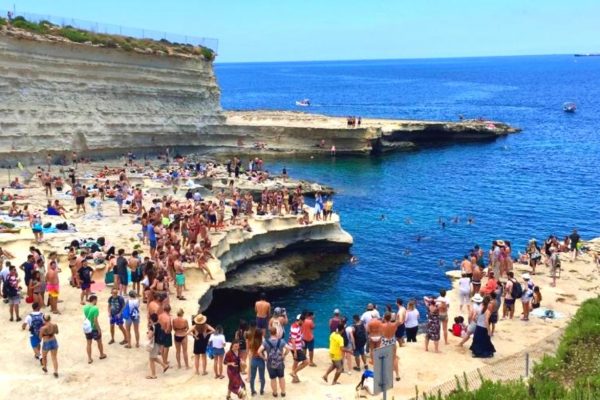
[
  {"x": 87, "y": 325},
  {"x": 360, "y": 335},
  {"x": 37, "y": 321},
  {"x": 517, "y": 290},
  {"x": 274, "y": 355},
  {"x": 11, "y": 291}
]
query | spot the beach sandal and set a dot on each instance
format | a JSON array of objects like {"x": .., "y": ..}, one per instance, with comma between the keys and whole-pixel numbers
[
  {"x": 151, "y": 377},
  {"x": 122, "y": 342},
  {"x": 45, "y": 369},
  {"x": 166, "y": 368},
  {"x": 103, "y": 356},
  {"x": 111, "y": 341},
  {"x": 90, "y": 361},
  {"x": 56, "y": 374}
]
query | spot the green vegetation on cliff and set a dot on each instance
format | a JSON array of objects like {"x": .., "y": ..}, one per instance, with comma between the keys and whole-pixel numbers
[
  {"x": 126, "y": 43},
  {"x": 573, "y": 373}
]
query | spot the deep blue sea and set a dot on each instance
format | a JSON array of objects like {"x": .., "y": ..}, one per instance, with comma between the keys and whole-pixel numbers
[{"x": 540, "y": 182}]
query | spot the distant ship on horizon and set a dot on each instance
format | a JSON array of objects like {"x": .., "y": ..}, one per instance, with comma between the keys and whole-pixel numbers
[{"x": 588, "y": 55}]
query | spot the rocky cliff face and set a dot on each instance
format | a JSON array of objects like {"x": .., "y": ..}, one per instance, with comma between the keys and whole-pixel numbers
[{"x": 60, "y": 97}]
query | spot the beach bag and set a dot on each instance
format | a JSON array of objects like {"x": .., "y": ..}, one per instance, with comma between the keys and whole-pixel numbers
[
  {"x": 149, "y": 345},
  {"x": 274, "y": 355},
  {"x": 87, "y": 325},
  {"x": 210, "y": 351},
  {"x": 63, "y": 226},
  {"x": 517, "y": 290}
]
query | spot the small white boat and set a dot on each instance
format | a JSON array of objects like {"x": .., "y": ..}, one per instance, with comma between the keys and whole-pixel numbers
[
  {"x": 569, "y": 107},
  {"x": 303, "y": 103}
]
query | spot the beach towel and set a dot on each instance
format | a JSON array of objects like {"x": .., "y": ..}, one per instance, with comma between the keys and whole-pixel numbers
[
  {"x": 97, "y": 287},
  {"x": 546, "y": 313}
]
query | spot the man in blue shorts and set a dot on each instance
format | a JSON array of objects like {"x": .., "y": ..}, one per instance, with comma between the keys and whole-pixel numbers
[
  {"x": 34, "y": 322},
  {"x": 116, "y": 304}
]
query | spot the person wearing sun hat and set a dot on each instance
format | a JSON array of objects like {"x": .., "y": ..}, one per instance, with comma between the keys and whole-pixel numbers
[
  {"x": 527, "y": 295},
  {"x": 201, "y": 332},
  {"x": 476, "y": 300}
]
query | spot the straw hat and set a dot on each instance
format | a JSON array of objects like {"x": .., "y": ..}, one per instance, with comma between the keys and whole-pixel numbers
[
  {"x": 477, "y": 298},
  {"x": 526, "y": 276},
  {"x": 200, "y": 319},
  {"x": 500, "y": 243}
]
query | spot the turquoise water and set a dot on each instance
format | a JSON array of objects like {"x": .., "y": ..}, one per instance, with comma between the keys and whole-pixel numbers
[{"x": 540, "y": 182}]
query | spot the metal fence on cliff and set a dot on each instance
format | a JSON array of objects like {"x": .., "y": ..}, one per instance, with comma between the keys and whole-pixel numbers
[
  {"x": 110, "y": 29},
  {"x": 515, "y": 367}
]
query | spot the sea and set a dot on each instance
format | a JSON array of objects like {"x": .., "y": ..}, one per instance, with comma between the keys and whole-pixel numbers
[{"x": 542, "y": 181}]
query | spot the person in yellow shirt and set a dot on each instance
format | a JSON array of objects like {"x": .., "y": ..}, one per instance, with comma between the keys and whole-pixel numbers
[{"x": 336, "y": 344}]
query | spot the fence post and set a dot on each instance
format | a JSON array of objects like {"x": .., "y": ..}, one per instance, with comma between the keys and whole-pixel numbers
[{"x": 526, "y": 365}]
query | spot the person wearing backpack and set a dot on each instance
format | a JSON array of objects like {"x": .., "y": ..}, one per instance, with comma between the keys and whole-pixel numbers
[
  {"x": 512, "y": 291},
  {"x": 11, "y": 285},
  {"x": 273, "y": 351},
  {"x": 360, "y": 341},
  {"x": 526, "y": 296},
  {"x": 34, "y": 322}
]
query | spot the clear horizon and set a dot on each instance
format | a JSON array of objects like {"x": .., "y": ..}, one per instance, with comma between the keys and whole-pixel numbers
[{"x": 351, "y": 30}]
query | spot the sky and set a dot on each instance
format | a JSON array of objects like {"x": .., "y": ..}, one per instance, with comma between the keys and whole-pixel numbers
[{"x": 290, "y": 30}]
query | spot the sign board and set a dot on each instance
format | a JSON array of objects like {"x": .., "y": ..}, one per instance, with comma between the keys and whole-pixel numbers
[{"x": 383, "y": 368}]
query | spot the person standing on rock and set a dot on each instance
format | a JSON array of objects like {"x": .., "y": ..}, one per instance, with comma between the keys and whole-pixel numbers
[
  {"x": 575, "y": 238},
  {"x": 263, "y": 310}
]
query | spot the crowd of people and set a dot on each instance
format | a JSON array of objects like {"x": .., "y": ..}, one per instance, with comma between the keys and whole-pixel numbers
[{"x": 177, "y": 233}]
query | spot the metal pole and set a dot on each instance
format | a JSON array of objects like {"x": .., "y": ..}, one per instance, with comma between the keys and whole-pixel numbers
[
  {"x": 383, "y": 384},
  {"x": 526, "y": 365}
]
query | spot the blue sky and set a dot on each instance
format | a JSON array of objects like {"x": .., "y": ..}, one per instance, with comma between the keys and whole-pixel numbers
[{"x": 281, "y": 30}]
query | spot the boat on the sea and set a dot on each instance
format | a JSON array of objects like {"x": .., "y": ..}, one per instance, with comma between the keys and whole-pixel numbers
[
  {"x": 569, "y": 107},
  {"x": 303, "y": 103},
  {"x": 588, "y": 55}
]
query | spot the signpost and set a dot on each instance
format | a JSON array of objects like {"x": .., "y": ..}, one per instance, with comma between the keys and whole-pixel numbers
[{"x": 383, "y": 359}]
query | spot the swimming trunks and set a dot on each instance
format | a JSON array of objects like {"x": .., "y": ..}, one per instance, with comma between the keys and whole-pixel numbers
[
  {"x": 261, "y": 323},
  {"x": 53, "y": 290},
  {"x": 179, "y": 279},
  {"x": 400, "y": 331}
]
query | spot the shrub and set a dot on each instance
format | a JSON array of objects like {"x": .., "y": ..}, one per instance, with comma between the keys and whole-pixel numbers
[
  {"x": 2, "y": 21},
  {"x": 208, "y": 54},
  {"x": 47, "y": 23},
  {"x": 126, "y": 46},
  {"x": 22, "y": 23},
  {"x": 75, "y": 35}
]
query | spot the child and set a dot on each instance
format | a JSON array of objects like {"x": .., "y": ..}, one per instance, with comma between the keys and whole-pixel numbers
[
  {"x": 459, "y": 328},
  {"x": 367, "y": 382}
]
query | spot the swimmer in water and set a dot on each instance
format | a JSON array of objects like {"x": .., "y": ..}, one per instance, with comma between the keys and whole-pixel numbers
[
  {"x": 408, "y": 221},
  {"x": 443, "y": 225},
  {"x": 419, "y": 238},
  {"x": 470, "y": 220},
  {"x": 456, "y": 220},
  {"x": 407, "y": 252},
  {"x": 382, "y": 217},
  {"x": 441, "y": 262},
  {"x": 353, "y": 260}
]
